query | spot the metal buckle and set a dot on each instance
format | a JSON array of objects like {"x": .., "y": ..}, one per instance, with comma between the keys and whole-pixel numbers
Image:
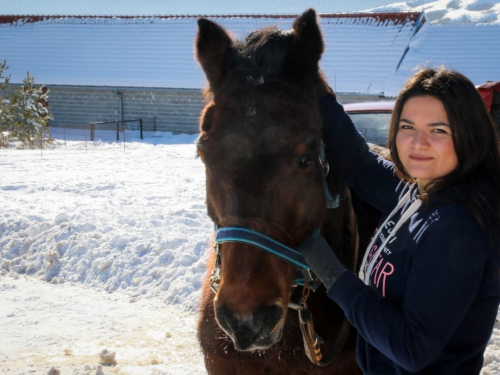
[
  {"x": 215, "y": 276},
  {"x": 326, "y": 167}
]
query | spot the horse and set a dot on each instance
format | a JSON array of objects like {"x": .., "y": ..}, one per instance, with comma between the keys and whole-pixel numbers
[{"x": 267, "y": 180}]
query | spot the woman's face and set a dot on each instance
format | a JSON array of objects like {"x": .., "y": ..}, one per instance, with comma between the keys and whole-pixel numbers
[{"x": 424, "y": 142}]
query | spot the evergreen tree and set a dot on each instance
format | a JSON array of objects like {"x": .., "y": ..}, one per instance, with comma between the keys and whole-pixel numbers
[
  {"x": 29, "y": 115},
  {"x": 3, "y": 68},
  {"x": 4, "y": 105}
]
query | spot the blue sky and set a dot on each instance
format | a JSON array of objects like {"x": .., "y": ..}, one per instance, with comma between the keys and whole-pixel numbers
[{"x": 165, "y": 7}]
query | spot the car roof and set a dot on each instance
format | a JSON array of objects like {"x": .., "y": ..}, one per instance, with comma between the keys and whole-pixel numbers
[{"x": 383, "y": 106}]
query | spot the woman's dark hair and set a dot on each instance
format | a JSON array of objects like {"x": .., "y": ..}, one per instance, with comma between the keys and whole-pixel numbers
[{"x": 475, "y": 183}]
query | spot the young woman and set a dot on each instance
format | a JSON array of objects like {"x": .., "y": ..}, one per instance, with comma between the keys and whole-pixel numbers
[{"x": 428, "y": 291}]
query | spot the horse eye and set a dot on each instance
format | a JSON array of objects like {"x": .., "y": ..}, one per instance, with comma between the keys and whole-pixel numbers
[{"x": 305, "y": 161}]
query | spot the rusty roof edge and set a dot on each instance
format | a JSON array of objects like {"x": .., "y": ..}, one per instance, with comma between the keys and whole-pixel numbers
[{"x": 398, "y": 17}]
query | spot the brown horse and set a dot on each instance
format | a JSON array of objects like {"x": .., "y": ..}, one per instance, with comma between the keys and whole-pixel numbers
[{"x": 260, "y": 140}]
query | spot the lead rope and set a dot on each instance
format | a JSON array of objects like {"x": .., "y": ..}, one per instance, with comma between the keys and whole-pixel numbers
[
  {"x": 313, "y": 341},
  {"x": 367, "y": 266}
]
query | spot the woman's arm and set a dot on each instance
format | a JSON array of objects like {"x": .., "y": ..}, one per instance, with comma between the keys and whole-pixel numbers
[
  {"x": 372, "y": 177},
  {"x": 445, "y": 276}
]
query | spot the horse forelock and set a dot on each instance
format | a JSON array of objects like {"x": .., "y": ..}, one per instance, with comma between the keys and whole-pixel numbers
[
  {"x": 263, "y": 56},
  {"x": 265, "y": 50}
]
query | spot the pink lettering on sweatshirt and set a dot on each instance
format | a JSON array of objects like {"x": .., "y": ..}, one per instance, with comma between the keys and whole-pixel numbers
[{"x": 380, "y": 273}]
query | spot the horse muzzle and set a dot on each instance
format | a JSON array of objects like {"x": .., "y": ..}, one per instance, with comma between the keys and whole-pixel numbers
[{"x": 259, "y": 330}]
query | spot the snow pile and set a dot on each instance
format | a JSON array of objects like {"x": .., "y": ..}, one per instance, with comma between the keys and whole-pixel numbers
[
  {"x": 449, "y": 11},
  {"x": 133, "y": 220}
]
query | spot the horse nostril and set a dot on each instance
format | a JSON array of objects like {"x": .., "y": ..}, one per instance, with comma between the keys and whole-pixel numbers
[
  {"x": 257, "y": 329},
  {"x": 267, "y": 317},
  {"x": 225, "y": 318}
]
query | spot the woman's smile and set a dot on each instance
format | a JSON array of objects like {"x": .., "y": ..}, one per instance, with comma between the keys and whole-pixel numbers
[
  {"x": 424, "y": 140},
  {"x": 419, "y": 157}
]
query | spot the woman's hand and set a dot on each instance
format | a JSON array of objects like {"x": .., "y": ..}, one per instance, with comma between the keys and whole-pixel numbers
[{"x": 323, "y": 262}]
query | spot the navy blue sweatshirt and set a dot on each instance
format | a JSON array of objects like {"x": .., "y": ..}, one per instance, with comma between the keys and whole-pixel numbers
[{"x": 434, "y": 291}]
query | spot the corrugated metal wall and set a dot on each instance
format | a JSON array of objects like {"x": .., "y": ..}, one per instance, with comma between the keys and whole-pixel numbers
[
  {"x": 165, "y": 110},
  {"x": 171, "y": 110}
]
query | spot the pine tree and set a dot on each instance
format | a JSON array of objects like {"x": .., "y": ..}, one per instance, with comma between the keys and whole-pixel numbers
[
  {"x": 4, "y": 106},
  {"x": 29, "y": 116}
]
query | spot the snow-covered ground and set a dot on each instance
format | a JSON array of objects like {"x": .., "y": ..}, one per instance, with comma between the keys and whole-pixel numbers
[
  {"x": 67, "y": 326},
  {"x": 119, "y": 239},
  {"x": 131, "y": 220},
  {"x": 105, "y": 249}
]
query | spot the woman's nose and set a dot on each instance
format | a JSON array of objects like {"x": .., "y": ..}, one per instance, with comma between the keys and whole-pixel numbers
[{"x": 420, "y": 139}]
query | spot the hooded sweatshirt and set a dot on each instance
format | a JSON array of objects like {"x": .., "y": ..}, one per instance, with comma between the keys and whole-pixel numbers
[{"x": 428, "y": 298}]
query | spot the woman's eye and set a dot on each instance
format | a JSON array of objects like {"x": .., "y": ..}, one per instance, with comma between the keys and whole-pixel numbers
[
  {"x": 439, "y": 131},
  {"x": 305, "y": 161},
  {"x": 406, "y": 127}
]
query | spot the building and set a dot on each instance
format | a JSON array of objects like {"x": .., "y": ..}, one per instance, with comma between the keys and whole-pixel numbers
[{"x": 112, "y": 68}]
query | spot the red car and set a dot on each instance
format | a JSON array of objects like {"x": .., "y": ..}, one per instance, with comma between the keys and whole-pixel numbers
[{"x": 372, "y": 119}]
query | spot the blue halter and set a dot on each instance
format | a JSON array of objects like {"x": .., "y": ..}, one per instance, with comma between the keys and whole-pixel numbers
[
  {"x": 251, "y": 237},
  {"x": 330, "y": 202}
]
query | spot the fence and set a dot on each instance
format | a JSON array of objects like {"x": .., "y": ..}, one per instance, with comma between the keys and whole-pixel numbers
[
  {"x": 117, "y": 126},
  {"x": 98, "y": 137}
]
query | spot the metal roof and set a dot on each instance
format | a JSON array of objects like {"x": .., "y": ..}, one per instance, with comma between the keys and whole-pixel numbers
[
  {"x": 362, "y": 49},
  {"x": 472, "y": 49},
  {"x": 395, "y": 17}
]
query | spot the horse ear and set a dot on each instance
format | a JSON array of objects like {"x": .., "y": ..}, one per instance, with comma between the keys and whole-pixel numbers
[
  {"x": 213, "y": 48},
  {"x": 307, "y": 46}
]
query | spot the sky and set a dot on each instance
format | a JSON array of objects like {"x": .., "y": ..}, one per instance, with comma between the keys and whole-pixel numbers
[{"x": 178, "y": 7}]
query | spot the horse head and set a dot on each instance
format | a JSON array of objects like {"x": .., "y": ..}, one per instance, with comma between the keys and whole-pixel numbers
[{"x": 260, "y": 140}]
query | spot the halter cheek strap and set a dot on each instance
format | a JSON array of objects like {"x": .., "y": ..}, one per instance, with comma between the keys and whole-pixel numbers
[{"x": 330, "y": 201}]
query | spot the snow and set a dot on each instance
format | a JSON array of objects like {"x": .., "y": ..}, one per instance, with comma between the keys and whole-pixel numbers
[
  {"x": 449, "y": 11},
  {"x": 112, "y": 220},
  {"x": 103, "y": 249},
  {"x": 75, "y": 330}
]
